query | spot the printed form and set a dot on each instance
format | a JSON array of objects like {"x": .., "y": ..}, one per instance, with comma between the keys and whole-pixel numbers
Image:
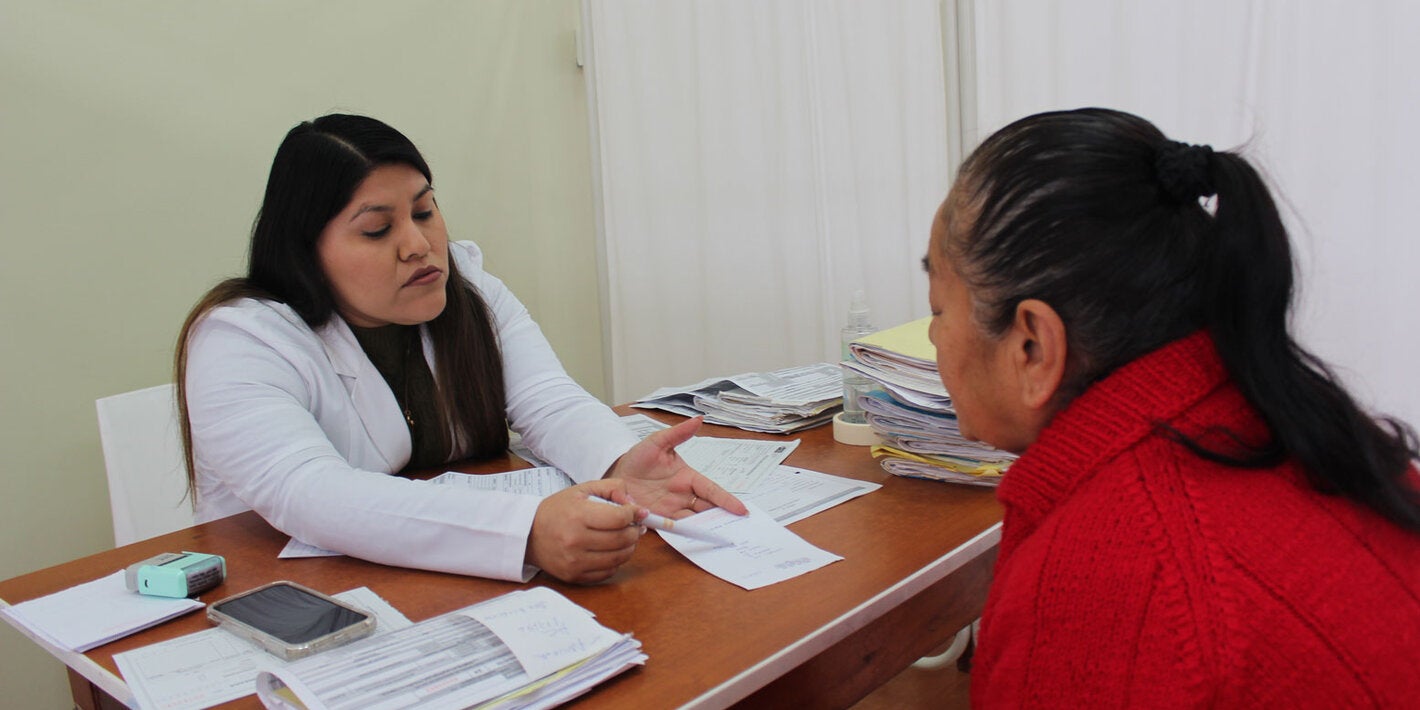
[{"x": 215, "y": 666}]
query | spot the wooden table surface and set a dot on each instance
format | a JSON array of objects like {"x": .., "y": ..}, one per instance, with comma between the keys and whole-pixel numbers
[{"x": 917, "y": 562}]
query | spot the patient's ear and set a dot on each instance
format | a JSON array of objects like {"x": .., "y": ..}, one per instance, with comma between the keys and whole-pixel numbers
[{"x": 1038, "y": 353}]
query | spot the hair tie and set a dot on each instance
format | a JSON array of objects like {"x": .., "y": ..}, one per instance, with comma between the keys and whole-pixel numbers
[{"x": 1182, "y": 170}]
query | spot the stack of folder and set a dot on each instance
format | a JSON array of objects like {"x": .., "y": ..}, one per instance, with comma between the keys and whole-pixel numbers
[
  {"x": 778, "y": 402},
  {"x": 912, "y": 412}
]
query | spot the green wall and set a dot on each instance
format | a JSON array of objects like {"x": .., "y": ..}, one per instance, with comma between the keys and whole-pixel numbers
[{"x": 134, "y": 143}]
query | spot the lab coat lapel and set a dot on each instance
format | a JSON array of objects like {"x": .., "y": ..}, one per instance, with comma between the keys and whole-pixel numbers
[{"x": 374, "y": 403}]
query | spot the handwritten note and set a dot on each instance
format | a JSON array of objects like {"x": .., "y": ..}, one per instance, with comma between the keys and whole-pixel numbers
[{"x": 545, "y": 631}]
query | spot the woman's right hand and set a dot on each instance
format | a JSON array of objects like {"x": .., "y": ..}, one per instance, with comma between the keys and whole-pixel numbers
[{"x": 582, "y": 541}]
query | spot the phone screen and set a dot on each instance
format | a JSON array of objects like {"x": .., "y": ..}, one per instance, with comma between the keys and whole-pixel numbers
[{"x": 289, "y": 613}]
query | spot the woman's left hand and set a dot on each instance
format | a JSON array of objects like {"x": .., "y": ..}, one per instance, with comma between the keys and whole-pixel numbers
[{"x": 658, "y": 478}]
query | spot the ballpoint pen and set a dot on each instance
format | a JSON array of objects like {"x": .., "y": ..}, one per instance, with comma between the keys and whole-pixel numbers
[{"x": 675, "y": 527}]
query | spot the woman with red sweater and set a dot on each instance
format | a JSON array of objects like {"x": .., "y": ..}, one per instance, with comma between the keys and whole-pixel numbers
[{"x": 1201, "y": 515}]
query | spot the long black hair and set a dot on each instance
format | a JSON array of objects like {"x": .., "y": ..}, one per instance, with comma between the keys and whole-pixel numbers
[
  {"x": 1136, "y": 240},
  {"x": 316, "y": 171}
]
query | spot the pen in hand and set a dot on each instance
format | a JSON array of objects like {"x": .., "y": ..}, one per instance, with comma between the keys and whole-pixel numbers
[{"x": 671, "y": 526}]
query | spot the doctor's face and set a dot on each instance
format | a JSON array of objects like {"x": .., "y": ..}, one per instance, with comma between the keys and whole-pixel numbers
[{"x": 386, "y": 254}]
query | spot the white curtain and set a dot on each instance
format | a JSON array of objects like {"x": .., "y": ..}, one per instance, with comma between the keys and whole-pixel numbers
[
  {"x": 1324, "y": 95},
  {"x": 757, "y": 163}
]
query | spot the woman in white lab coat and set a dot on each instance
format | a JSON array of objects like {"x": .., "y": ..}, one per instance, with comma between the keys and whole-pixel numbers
[{"x": 362, "y": 343}]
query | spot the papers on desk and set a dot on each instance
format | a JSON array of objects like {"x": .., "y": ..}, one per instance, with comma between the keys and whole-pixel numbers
[
  {"x": 791, "y": 494},
  {"x": 215, "y": 666},
  {"x": 764, "y": 552},
  {"x": 778, "y": 402},
  {"x": 541, "y": 482},
  {"x": 531, "y": 648},
  {"x": 749, "y": 468},
  {"x": 92, "y": 614},
  {"x": 738, "y": 465}
]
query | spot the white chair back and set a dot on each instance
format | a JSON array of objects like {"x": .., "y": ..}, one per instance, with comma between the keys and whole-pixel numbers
[{"x": 147, "y": 484}]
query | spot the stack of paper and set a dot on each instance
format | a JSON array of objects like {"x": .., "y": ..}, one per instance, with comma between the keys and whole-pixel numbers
[
  {"x": 912, "y": 413},
  {"x": 94, "y": 613},
  {"x": 777, "y": 402},
  {"x": 215, "y": 666},
  {"x": 531, "y": 648}
]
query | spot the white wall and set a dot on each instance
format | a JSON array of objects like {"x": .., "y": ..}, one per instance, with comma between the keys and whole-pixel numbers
[
  {"x": 136, "y": 137},
  {"x": 1323, "y": 96}
]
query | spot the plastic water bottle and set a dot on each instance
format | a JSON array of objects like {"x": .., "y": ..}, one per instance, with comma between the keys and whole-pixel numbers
[{"x": 854, "y": 384}]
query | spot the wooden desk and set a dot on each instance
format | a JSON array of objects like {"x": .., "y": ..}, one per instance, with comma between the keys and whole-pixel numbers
[{"x": 917, "y": 563}]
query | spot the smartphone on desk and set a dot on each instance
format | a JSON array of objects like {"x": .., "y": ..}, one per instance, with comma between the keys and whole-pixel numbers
[{"x": 289, "y": 620}]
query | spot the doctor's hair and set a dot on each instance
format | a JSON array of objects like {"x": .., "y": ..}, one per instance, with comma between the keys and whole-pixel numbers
[
  {"x": 1136, "y": 241},
  {"x": 316, "y": 171}
]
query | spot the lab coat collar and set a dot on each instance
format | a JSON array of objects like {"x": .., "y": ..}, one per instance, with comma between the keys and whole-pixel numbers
[{"x": 374, "y": 402}]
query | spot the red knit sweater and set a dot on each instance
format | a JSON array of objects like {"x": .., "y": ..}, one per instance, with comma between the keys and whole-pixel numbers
[{"x": 1135, "y": 574}]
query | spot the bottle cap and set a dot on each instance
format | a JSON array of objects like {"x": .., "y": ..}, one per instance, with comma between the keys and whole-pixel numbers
[{"x": 858, "y": 309}]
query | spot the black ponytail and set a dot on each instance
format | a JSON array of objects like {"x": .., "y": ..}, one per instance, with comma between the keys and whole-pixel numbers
[
  {"x": 1098, "y": 214},
  {"x": 1312, "y": 418}
]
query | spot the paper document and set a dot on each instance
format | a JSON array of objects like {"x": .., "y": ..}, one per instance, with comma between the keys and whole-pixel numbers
[
  {"x": 516, "y": 445},
  {"x": 794, "y": 385},
  {"x": 541, "y": 482},
  {"x": 533, "y": 645},
  {"x": 91, "y": 614},
  {"x": 787, "y": 493},
  {"x": 791, "y": 494},
  {"x": 738, "y": 465},
  {"x": 296, "y": 549},
  {"x": 215, "y": 666},
  {"x": 764, "y": 552},
  {"x": 778, "y": 402},
  {"x": 642, "y": 426}
]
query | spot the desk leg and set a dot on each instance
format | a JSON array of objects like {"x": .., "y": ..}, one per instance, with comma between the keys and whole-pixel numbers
[
  {"x": 847, "y": 672},
  {"x": 87, "y": 696}
]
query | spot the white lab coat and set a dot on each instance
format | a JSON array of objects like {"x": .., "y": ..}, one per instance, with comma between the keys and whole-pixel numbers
[{"x": 298, "y": 425}]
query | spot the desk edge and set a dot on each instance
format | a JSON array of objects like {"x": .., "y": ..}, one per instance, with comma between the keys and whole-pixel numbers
[
  {"x": 760, "y": 674},
  {"x": 82, "y": 664}
]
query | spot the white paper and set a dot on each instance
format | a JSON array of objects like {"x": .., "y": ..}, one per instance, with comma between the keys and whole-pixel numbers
[
  {"x": 791, "y": 494},
  {"x": 544, "y": 630},
  {"x": 215, "y": 666},
  {"x": 734, "y": 466},
  {"x": 296, "y": 548},
  {"x": 642, "y": 426},
  {"x": 540, "y": 482},
  {"x": 764, "y": 552},
  {"x": 516, "y": 445},
  {"x": 456, "y": 661},
  {"x": 778, "y": 402},
  {"x": 738, "y": 465},
  {"x": 795, "y": 385},
  {"x": 93, "y": 613}
]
